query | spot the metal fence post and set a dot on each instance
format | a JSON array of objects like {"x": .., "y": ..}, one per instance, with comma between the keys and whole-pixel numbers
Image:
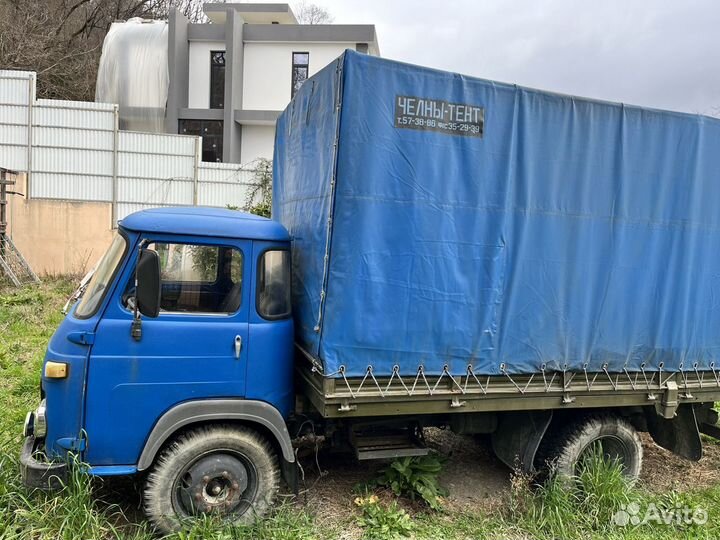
[
  {"x": 31, "y": 98},
  {"x": 196, "y": 169},
  {"x": 116, "y": 143}
]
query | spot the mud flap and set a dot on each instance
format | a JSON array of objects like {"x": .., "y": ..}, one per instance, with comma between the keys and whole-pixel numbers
[
  {"x": 291, "y": 475},
  {"x": 680, "y": 434},
  {"x": 517, "y": 437}
]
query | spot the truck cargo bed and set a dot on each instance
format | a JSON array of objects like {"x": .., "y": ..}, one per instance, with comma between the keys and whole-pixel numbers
[{"x": 371, "y": 395}]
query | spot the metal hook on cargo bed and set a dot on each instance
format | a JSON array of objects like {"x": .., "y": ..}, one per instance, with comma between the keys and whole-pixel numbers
[
  {"x": 661, "y": 383},
  {"x": 699, "y": 375},
  {"x": 688, "y": 394},
  {"x": 607, "y": 374},
  {"x": 421, "y": 372},
  {"x": 347, "y": 383},
  {"x": 377, "y": 384},
  {"x": 396, "y": 373},
  {"x": 588, "y": 382},
  {"x": 521, "y": 390},
  {"x": 715, "y": 375},
  {"x": 632, "y": 382},
  {"x": 546, "y": 384},
  {"x": 467, "y": 379}
]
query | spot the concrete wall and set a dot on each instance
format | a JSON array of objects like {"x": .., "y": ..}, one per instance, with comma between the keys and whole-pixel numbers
[
  {"x": 268, "y": 70},
  {"x": 257, "y": 142},
  {"x": 59, "y": 237}
]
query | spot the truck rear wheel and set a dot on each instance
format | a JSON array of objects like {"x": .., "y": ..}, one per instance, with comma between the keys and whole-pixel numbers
[
  {"x": 563, "y": 450},
  {"x": 229, "y": 471}
]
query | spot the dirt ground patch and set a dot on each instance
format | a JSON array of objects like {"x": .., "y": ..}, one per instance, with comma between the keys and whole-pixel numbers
[
  {"x": 477, "y": 480},
  {"x": 664, "y": 471},
  {"x": 473, "y": 476}
]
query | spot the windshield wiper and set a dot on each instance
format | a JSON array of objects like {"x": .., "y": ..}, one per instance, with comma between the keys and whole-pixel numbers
[{"x": 74, "y": 297}]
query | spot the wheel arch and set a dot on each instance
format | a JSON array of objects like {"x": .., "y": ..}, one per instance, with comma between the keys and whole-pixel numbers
[
  {"x": 249, "y": 412},
  {"x": 571, "y": 434}
]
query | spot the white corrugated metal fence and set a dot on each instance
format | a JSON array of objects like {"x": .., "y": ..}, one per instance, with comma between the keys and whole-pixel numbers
[{"x": 75, "y": 151}]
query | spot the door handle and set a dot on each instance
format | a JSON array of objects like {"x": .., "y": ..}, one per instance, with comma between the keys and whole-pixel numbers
[{"x": 238, "y": 346}]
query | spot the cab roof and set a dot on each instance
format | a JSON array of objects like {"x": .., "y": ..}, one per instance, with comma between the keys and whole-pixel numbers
[{"x": 200, "y": 221}]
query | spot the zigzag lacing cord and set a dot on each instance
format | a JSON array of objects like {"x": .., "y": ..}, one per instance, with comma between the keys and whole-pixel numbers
[{"x": 421, "y": 384}]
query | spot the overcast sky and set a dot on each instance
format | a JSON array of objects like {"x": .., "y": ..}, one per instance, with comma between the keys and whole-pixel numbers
[{"x": 656, "y": 53}]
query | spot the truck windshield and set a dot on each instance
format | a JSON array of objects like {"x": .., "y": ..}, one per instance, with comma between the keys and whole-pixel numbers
[{"x": 102, "y": 275}]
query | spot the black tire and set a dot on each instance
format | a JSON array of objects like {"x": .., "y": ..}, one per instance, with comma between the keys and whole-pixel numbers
[
  {"x": 231, "y": 471},
  {"x": 563, "y": 449}
]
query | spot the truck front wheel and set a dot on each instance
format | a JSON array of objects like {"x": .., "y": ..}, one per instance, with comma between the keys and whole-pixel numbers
[
  {"x": 564, "y": 448},
  {"x": 225, "y": 470}
]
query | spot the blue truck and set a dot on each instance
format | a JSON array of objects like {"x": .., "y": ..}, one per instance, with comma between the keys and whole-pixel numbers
[{"x": 444, "y": 251}]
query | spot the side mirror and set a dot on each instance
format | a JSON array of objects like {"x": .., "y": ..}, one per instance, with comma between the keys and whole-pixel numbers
[{"x": 147, "y": 292}]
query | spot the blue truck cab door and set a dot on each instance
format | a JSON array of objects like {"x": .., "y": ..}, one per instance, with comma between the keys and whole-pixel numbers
[
  {"x": 197, "y": 348},
  {"x": 270, "y": 360}
]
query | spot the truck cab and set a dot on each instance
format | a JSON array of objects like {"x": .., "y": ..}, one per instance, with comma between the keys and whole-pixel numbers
[{"x": 182, "y": 335}]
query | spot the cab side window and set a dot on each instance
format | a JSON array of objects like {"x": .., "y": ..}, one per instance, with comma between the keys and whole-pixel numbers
[
  {"x": 273, "y": 293},
  {"x": 199, "y": 279}
]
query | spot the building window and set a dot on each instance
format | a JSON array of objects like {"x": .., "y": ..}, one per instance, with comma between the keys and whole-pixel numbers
[
  {"x": 211, "y": 132},
  {"x": 217, "y": 79},
  {"x": 300, "y": 68}
]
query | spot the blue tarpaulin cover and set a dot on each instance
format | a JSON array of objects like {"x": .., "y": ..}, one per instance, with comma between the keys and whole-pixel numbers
[{"x": 438, "y": 219}]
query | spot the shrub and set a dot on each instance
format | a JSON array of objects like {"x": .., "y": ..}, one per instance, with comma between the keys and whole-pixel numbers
[
  {"x": 259, "y": 195},
  {"x": 382, "y": 522},
  {"x": 414, "y": 477}
]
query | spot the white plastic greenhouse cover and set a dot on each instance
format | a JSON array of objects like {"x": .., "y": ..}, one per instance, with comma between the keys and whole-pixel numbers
[{"x": 133, "y": 73}]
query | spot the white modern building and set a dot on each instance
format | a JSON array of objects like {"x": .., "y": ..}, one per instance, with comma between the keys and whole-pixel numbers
[{"x": 229, "y": 79}]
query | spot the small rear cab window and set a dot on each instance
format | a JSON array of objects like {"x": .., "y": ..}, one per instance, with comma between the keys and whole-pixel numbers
[{"x": 273, "y": 291}]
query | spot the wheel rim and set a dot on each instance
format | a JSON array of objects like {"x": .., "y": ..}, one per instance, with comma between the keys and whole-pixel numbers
[
  {"x": 611, "y": 448},
  {"x": 223, "y": 482}
]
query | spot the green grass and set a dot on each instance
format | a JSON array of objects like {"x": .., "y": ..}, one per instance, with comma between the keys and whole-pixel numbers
[{"x": 583, "y": 509}]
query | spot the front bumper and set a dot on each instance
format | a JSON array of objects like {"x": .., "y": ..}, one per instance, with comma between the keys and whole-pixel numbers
[{"x": 40, "y": 474}]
